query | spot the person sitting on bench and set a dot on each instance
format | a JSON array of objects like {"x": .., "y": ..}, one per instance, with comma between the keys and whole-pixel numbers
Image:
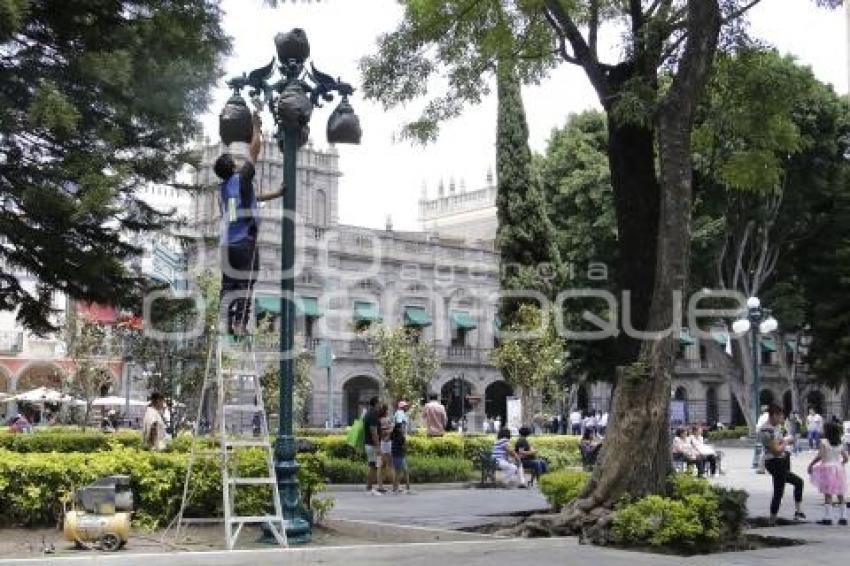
[
  {"x": 506, "y": 458},
  {"x": 527, "y": 455},
  {"x": 684, "y": 452}
]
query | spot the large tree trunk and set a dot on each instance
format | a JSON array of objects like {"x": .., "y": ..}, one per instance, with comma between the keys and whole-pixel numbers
[
  {"x": 631, "y": 155},
  {"x": 635, "y": 458}
]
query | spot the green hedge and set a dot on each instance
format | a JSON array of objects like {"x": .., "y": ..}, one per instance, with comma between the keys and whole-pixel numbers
[
  {"x": 561, "y": 488},
  {"x": 423, "y": 469},
  {"x": 33, "y": 487},
  {"x": 68, "y": 441},
  {"x": 728, "y": 434}
]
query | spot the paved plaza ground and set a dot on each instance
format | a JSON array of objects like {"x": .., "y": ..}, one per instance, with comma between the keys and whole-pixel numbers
[{"x": 444, "y": 510}]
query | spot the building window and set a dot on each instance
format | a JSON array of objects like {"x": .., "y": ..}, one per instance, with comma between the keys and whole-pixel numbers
[{"x": 320, "y": 208}]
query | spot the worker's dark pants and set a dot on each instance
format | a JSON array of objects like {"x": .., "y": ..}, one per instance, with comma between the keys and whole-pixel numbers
[
  {"x": 780, "y": 470},
  {"x": 239, "y": 265}
]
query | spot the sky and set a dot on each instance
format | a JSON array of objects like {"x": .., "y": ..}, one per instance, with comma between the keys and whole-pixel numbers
[{"x": 383, "y": 177}]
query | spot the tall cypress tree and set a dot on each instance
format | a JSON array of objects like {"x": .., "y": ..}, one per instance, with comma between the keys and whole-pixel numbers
[
  {"x": 97, "y": 100},
  {"x": 525, "y": 237}
]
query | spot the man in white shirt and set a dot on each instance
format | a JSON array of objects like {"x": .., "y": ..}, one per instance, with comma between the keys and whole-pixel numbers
[
  {"x": 814, "y": 424},
  {"x": 401, "y": 417},
  {"x": 603, "y": 423},
  {"x": 575, "y": 422},
  {"x": 758, "y": 456},
  {"x": 153, "y": 425}
]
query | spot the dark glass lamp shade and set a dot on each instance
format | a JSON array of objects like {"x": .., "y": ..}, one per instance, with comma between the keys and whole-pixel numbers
[
  {"x": 234, "y": 122},
  {"x": 344, "y": 125},
  {"x": 292, "y": 45},
  {"x": 293, "y": 107}
]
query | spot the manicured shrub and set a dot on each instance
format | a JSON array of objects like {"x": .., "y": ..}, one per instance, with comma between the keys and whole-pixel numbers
[
  {"x": 426, "y": 469},
  {"x": 728, "y": 434},
  {"x": 561, "y": 488},
  {"x": 659, "y": 521},
  {"x": 68, "y": 441},
  {"x": 34, "y": 487},
  {"x": 695, "y": 517}
]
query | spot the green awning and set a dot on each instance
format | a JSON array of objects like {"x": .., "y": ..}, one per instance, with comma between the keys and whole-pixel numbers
[
  {"x": 366, "y": 312},
  {"x": 308, "y": 306},
  {"x": 720, "y": 337},
  {"x": 790, "y": 345},
  {"x": 685, "y": 337},
  {"x": 268, "y": 304},
  {"x": 462, "y": 321},
  {"x": 416, "y": 316},
  {"x": 768, "y": 345}
]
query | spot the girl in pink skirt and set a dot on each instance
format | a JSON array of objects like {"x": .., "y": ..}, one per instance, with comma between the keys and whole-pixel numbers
[{"x": 828, "y": 475}]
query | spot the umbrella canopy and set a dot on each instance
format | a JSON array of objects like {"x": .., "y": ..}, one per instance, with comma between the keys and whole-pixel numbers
[
  {"x": 115, "y": 401},
  {"x": 46, "y": 395}
]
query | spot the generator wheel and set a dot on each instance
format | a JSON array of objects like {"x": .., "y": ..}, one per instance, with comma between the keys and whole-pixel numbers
[{"x": 110, "y": 542}]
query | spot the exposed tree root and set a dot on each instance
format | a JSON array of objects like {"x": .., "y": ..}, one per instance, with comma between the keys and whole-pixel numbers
[{"x": 590, "y": 523}]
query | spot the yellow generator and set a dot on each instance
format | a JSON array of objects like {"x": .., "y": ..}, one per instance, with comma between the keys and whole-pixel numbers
[{"x": 101, "y": 514}]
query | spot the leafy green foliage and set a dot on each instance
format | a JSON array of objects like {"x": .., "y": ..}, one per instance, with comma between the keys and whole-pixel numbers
[
  {"x": 99, "y": 99},
  {"x": 561, "y": 488},
  {"x": 430, "y": 469},
  {"x": 525, "y": 237},
  {"x": 407, "y": 362},
  {"x": 532, "y": 363},
  {"x": 34, "y": 487},
  {"x": 460, "y": 41},
  {"x": 695, "y": 517}
]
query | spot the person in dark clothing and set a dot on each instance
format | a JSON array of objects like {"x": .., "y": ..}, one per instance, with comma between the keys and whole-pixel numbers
[
  {"x": 238, "y": 239},
  {"x": 372, "y": 424},
  {"x": 528, "y": 456},
  {"x": 399, "y": 453},
  {"x": 777, "y": 462}
]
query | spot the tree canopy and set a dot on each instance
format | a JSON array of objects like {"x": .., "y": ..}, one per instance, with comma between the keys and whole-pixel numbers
[{"x": 98, "y": 100}]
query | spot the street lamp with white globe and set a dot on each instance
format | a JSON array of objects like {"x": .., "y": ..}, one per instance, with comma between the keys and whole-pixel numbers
[{"x": 756, "y": 320}]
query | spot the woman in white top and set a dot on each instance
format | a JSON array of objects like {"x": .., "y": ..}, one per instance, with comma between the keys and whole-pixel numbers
[
  {"x": 683, "y": 451},
  {"x": 706, "y": 451}
]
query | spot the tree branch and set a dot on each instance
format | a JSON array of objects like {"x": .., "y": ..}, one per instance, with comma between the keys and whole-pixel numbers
[
  {"x": 581, "y": 50},
  {"x": 593, "y": 27},
  {"x": 562, "y": 40},
  {"x": 735, "y": 14}
]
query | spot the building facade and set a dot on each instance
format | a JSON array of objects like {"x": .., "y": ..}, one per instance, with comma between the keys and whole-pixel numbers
[{"x": 460, "y": 214}]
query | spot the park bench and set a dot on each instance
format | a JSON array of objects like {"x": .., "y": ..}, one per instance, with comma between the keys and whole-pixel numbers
[{"x": 485, "y": 462}]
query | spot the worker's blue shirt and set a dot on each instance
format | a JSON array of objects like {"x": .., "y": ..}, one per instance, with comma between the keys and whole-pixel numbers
[{"x": 238, "y": 207}]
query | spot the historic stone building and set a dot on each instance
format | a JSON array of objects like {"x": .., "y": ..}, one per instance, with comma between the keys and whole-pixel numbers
[
  {"x": 348, "y": 276},
  {"x": 466, "y": 215}
]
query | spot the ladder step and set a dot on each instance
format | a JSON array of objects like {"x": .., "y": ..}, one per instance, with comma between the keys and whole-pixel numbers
[
  {"x": 252, "y": 481},
  {"x": 247, "y": 444},
  {"x": 257, "y": 519}
]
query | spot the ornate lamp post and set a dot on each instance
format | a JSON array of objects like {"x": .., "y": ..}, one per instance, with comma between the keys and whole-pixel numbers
[
  {"x": 757, "y": 321},
  {"x": 291, "y": 100}
]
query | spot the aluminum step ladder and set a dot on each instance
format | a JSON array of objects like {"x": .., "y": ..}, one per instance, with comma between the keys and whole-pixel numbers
[{"x": 241, "y": 424}]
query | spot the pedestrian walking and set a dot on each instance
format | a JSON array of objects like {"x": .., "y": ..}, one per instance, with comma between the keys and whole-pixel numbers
[
  {"x": 814, "y": 425},
  {"x": 828, "y": 474},
  {"x": 372, "y": 445},
  {"x": 385, "y": 470},
  {"x": 399, "y": 454},
  {"x": 777, "y": 462}
]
